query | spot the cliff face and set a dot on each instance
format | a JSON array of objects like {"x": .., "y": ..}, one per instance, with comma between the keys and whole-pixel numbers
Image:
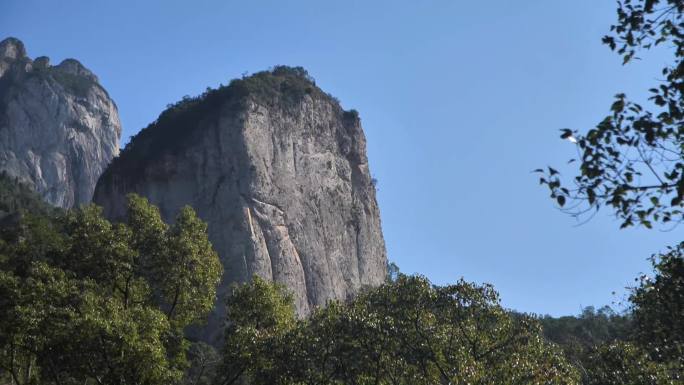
[
  {"x": 280, "y": 173},
  {"x": 58, "y": 127}
]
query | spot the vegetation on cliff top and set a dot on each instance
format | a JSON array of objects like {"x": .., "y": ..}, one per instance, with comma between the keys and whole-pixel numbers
[
  {"x": 280, "y": 87},
  {"x": 78, "y": 85}
]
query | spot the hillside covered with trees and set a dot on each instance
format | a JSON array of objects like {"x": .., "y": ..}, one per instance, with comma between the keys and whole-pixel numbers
[{"x": 87, "y": 301}]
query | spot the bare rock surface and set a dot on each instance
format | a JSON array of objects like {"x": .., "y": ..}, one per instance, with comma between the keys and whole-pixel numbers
[
  {"x": 59, "y": 128},
  {"x": 279, "y": 171}
]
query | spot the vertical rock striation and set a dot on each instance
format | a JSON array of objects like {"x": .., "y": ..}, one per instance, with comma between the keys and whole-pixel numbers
[
  {"x": 59, "y": 129},
  {"x": 279, "y": 171}
]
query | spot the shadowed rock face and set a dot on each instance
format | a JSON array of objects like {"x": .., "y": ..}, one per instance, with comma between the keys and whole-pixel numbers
[
  {"x": 58, "y": 127},
  {"x": 280, "y": 173}
]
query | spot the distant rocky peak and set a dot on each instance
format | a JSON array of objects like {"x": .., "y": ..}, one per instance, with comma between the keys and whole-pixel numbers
[
  {"x": 279, "y": 172},
  {"x": 12, "y": 48},
  {"x": 74, "y": 67},
  {"x": 13, "y": 56},
  {"x": 41, "y": 62},
  {"x": 59, "y": 128}
]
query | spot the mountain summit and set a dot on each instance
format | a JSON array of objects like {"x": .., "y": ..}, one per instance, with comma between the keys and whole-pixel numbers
[
  {"x": 278, "y": 170},
  {"x": 58, "y": 127}
]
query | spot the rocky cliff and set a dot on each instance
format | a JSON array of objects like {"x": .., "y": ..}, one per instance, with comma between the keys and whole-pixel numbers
[
  {"x": 279, "y": 171},
  {"x": 58, "y": 127}
]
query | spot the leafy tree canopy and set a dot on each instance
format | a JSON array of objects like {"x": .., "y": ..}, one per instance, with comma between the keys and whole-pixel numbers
[
  {"x": 658, "y": 307},
  {"x": 578, "y": 335},
  {"x": 281, "y": 87},
  {"x": 85, "y": 301},
  {"x": 622, "y": 363},
  {"x": 404, "y": 332}
]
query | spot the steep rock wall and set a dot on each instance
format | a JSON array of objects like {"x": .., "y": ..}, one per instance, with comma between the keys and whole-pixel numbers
[
  {"x": 280, "y": 173},
  {"x": 59, "y": 128}
]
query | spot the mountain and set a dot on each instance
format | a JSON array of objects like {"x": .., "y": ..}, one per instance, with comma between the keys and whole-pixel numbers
[
  {"x": 278, "y": 170},
  {"x": 58, "y": 127}
]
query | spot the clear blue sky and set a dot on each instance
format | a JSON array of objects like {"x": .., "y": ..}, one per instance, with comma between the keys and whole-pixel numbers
[{"x": 459, "y": 100}]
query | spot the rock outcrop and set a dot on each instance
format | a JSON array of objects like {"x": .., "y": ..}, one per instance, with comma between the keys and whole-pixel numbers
[
  {"x": 59, "y": 128},
  {"x": 279, "y": 171}
]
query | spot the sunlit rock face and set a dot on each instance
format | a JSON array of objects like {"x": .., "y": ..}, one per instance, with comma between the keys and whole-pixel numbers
[
  {"x": 59, "y": 128},
  {"x": 279, "y": 171}
]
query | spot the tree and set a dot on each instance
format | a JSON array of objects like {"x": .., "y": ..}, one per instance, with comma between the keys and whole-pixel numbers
[
  {"x": 403, "y": 332},
  {"x": 260, "y": 315},
  {"x": 579, "y": 335},
  {"x": 204, "y": 361},
  {"x": 633, "y": 160},
  {"x": 658, "y": 308},
  {"x": 86, "y": 301},
  {"x": 622, "y": 363}
]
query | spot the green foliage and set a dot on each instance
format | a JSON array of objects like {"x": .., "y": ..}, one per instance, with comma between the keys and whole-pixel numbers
[
  {"x": 578, "y": 335},
  {"x": 86, "y": 301},
  {"x": 16, "y": 197},
  {"x": 204, "y": 360},
  {"x": 260, "y": 318},
  {"x": 658, "y": 306},
  {"x": 289, "y": 84},
  {"x": 282, "y": 87},
  {"x": 645, "y": 346},
  {"x": 633, "y": 160},
  {"x": 351, "y": 115},
  {"x": 404, "y": 332},
  {"x": 623, "y": 363},
  {"x": 78, "y": 85},
  {"x": 260, "y": 305}
]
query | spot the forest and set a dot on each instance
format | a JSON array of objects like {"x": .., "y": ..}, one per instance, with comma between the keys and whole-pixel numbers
[{"x": 88, "y": 301}]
